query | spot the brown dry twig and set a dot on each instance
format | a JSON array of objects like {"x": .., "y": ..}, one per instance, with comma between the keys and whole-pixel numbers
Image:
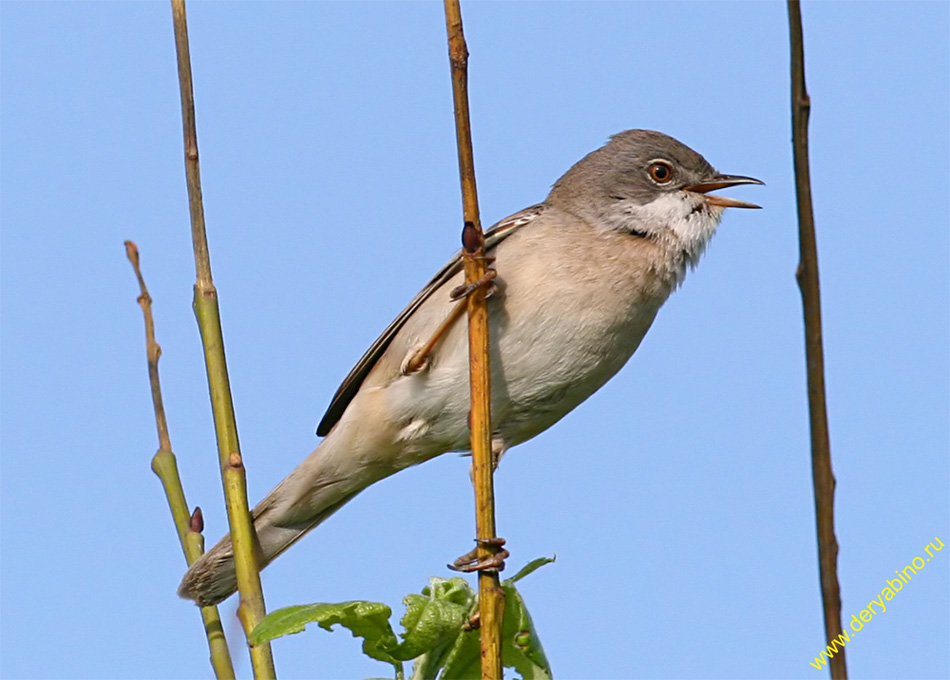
[{"x": 807, "y": 276}]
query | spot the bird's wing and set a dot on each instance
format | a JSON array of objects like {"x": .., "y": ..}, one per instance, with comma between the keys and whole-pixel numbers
[{"x": 351, "y": 384}]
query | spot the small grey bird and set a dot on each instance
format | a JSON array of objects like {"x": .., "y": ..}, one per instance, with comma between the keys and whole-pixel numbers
[{"x": 580, "y": 278}]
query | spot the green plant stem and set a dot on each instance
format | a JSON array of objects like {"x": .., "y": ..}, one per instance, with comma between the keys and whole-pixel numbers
[
  {"x": 491, "y": 594},
  {"x": 165, "y": 466},
  {"x": 220, "y": 656},
  {"x": 252, "y": 608},
  {"x": 807, "y": 277}
]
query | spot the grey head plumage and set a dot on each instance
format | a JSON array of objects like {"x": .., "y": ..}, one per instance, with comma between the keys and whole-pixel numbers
[
  {"x": 647, "y": 184},
  {"x": 619, "y": 172}
]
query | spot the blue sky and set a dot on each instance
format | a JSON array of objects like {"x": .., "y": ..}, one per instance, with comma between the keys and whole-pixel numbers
[{"x": 678, "y": 499}]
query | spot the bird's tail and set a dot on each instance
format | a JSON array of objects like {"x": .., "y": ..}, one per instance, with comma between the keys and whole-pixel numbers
[
  {"x": 212, "y": 578},
  {"x": 318, "y": 487}
]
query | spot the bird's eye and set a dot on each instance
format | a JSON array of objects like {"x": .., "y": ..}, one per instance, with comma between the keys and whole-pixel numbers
[{"x": 661, "y": 172}]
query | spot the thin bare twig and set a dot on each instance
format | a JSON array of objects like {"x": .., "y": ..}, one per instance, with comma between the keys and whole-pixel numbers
[
  {"x": 165, "y": 466},
  {"x": 807, "y": 276},
  {"x": 251, "y": 609},
  {"x": 491, "y": 595}
]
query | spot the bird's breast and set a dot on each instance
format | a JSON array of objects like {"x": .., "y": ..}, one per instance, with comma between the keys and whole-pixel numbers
[
  {"x": 571, "y": 306},
  {"x": 564, "y": 321}
]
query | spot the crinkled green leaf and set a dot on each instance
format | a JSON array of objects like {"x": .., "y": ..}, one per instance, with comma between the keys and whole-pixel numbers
[
  {"x": 368, "y": 620},
  {"x": 432, "y": 620},
  {"x": 454, "y": 589},
  {"x": 521, "y": 646}
]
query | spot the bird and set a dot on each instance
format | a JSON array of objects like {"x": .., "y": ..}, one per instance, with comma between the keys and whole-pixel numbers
[{"x": 578, "y": 280}]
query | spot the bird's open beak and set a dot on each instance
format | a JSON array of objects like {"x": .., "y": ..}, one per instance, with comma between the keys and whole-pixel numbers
[{"x": 721, "y": 182}]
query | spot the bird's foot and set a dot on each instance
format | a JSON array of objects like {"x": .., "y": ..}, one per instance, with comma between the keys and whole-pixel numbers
[
  {"x": 474, "y": 623},
  {"x": 487, "y": 282},
  {"x": 494, "y": 560}
]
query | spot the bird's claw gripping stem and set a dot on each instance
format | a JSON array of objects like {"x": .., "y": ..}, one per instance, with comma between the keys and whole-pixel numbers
[
  {"x": 466, "y": 289},
  {"x": 472, "y": 561}
]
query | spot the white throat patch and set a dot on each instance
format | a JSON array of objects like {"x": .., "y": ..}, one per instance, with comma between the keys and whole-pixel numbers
[{"x": 681, "y": 220}]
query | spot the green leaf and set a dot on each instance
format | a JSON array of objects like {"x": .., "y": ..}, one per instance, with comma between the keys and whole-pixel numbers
[
  {"x": 369, "y": 620},
  {"x": 463, "y": 661},
  {"x": 433, "y": 619},
  {"x": 530, "y": 567},
  {"x": 455, "y": 590},
  {"x": 520, "y": 645},
  {"x": 433, "y": 630}
]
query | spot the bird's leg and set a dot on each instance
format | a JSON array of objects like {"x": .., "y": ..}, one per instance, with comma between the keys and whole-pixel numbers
[
  {"x": 418, "y": 358},
  {"x": 471, "y": 561},
  {"x": 495, "y": 560},
  {"x": 498, "y": 448}
]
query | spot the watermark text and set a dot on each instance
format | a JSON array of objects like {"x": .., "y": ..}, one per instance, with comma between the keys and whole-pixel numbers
[{"x": 877, "y": 605}]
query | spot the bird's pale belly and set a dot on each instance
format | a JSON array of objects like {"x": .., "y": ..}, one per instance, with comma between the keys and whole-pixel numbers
[
  {"x": 533, "y": 390},
  {"x": 536, "y": 379},
  {"x": 552, "y": 346}
]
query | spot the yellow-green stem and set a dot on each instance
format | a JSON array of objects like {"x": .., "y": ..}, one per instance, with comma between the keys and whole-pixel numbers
[
  {"x": 165, "y": 466},
  {"x": 491, "y": 595},
  {"x": 252, "y": 608},
  {"x": 220, "y": 656}
]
